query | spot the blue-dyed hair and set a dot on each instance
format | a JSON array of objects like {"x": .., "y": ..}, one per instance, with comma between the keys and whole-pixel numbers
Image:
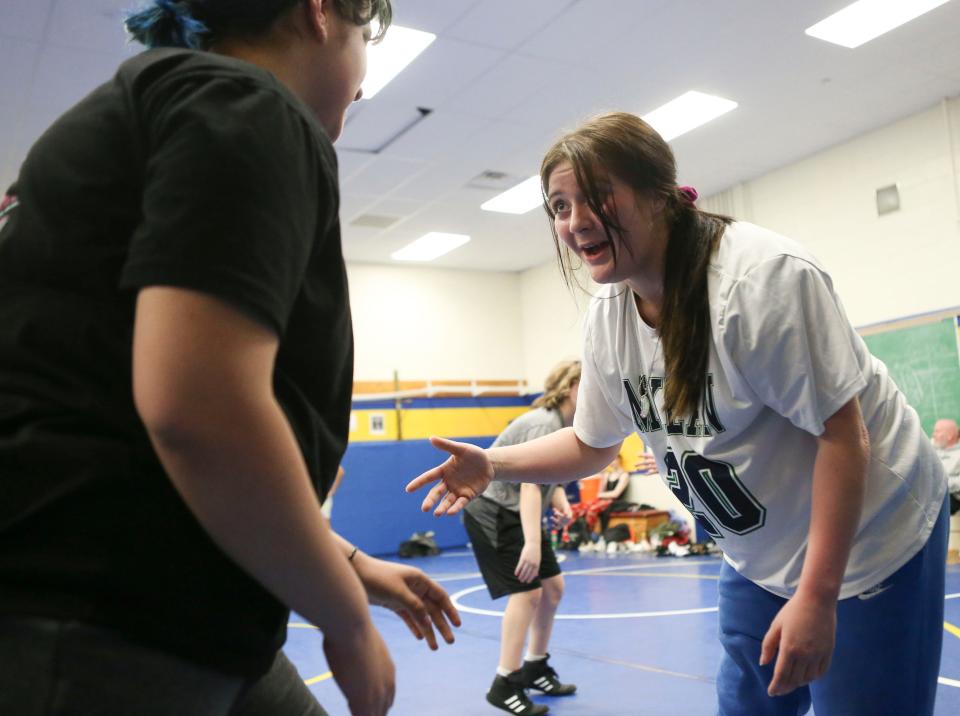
[
  {"x": 167, "y": 23},
  {"x": 195, "y": 23}
]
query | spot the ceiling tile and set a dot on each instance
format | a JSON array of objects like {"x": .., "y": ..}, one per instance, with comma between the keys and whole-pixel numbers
[
  {"x": 383, "y": 175},
  {"x": 91, "y": 25},
  {"x": 353, "y": 203},
  {"x": 431, "y": 15},
  {"x": 372, "y": 128},
  {"x": 24, "y": 19},
  {"x": 65, "y": 75},
  {"x": 505, "y": 86},
  {"x": 506, "y": 23},
  {"x": 17, "y": 61},
  {"x": 439, "y": 135},
  {"x": 445, "y": 68}
]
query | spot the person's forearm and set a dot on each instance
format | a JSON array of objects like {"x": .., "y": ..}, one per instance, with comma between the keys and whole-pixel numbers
[
  {"x": 558, "y": 457},
  {"x": 336, "y": 483},
  {"x": 839, "y": 482},
  {"x": 531, "y": 509},
  {"x": 558, "y": 499},
  {"x": 240, "y": 471}
]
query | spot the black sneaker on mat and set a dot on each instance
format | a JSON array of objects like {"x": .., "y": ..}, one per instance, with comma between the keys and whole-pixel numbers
[
  {"x": 507, "y": 693},
  {"x": 541, "y": 676}
]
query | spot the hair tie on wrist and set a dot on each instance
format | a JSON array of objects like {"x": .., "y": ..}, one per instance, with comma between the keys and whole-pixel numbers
[{"x": 689, "y": 192}]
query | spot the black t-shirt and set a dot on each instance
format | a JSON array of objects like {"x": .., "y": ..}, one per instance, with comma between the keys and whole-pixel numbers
[{"x": 191, "y": 170}]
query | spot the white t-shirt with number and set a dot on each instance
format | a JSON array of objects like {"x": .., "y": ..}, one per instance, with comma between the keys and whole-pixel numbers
[{"x": 783, "y": 359}]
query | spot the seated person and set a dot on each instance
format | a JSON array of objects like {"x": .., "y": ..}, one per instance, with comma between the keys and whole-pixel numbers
[
  {"x": 614, "y": 480},
  {"x": 946, "y": 440}
]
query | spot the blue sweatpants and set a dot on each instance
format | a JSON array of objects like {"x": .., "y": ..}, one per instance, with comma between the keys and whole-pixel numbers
[{"x": 887, "y": 655}]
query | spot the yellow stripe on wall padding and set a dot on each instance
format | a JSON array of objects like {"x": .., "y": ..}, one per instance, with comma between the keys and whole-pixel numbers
[{"x": 420, "y": 424}]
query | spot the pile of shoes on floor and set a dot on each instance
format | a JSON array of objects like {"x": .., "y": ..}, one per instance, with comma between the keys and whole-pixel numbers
[{"x": 670, "y": 539}]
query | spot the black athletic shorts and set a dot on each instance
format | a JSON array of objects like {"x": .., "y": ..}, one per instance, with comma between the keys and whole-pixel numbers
[{"x": 498, "y": 561}]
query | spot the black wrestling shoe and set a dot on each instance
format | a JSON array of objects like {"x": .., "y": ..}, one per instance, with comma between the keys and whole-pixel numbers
[
  {"x": 541, "y": 676},
  {"x": 507, "y": 693}
]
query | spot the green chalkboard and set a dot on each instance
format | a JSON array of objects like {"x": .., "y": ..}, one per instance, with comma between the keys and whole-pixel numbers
[{"x": 923, "y": 362}]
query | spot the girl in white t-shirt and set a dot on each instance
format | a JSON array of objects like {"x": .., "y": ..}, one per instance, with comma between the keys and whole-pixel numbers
[{"x": 727, "y": 348}]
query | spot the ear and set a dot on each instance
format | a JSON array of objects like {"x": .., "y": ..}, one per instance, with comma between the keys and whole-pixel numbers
[
  {"x": 318, "y": 17},
  {"x": 658, "y": 204}
]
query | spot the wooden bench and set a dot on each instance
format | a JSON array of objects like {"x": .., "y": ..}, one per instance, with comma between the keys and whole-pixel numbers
[{"x": 639, "y": 522}]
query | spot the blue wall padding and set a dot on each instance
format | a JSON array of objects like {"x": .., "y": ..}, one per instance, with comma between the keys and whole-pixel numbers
[{"x": 372, "y": 511}]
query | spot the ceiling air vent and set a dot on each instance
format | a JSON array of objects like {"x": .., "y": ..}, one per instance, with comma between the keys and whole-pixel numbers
[
  {"x": 491, "y": 179},
  {"x": 374, "y": 221}
]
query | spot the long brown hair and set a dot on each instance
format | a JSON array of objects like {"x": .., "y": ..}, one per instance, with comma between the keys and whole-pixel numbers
[
  {"x": 624, "y": 146},
  {"x": 558, "y": 385}
]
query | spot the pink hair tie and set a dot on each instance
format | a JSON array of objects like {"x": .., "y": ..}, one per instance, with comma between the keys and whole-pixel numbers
[{"x": 689, "y": 192}]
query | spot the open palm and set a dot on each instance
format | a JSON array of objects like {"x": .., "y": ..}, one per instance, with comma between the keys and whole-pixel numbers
[{"x": 464, "y": 475}]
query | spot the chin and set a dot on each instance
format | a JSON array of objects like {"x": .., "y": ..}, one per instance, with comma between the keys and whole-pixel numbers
[
  {"x": 334, "y": 130},
  {"x": 333, "y": 125},
  {"x": 603, "y": 274}
]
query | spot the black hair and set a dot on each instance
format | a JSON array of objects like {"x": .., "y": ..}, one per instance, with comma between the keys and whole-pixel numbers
[{"x": 195, "y": 23}]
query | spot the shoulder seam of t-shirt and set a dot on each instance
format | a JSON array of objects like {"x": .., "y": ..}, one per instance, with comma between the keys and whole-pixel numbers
[{"x": 765, "y": 263}]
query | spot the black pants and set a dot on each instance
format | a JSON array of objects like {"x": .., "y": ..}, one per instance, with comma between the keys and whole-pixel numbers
[
  {"x": 65, "y": 668},
  {"x": 280, "y": 692}
]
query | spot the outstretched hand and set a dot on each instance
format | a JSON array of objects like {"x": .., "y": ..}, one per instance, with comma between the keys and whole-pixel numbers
[
  {"x": 646, "y": 464},
  {"x": 418, "y": 600},
  {"x": 464, "y": 475}
]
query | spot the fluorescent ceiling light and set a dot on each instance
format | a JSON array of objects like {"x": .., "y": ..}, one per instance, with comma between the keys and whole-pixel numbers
[
  {"x": 866, "y": 19},
  {"x": 430, "y": 246},
  {"x": 686, "y": 112},
  {"x": 387, "y": 58},
  {"x": 519, "y": 199}
]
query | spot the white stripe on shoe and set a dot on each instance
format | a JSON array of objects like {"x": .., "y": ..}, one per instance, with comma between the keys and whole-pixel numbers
[{"x": 514, "y": 704}]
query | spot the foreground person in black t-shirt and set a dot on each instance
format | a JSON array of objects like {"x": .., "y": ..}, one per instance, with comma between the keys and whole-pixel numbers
[{"x": 176, "y": 361}]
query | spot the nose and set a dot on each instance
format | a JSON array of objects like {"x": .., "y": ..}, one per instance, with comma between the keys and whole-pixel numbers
[
  {"x": 582, "y": 217},
  {"x": 359, "y": 95}
]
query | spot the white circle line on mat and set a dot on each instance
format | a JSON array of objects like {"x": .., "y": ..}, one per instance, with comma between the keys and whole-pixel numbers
[{"x": 455, "y": 598}]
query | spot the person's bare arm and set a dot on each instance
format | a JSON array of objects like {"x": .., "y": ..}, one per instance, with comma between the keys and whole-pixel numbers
[
  {"x": 562, "y": 511},
  {"x": 558, "y": 457},
  {"x": 531, "y": 512},
  {"x": 203, "y": 386},
  {"x": 802, "y": 634},
  {"x": 418, "y": 600}
]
